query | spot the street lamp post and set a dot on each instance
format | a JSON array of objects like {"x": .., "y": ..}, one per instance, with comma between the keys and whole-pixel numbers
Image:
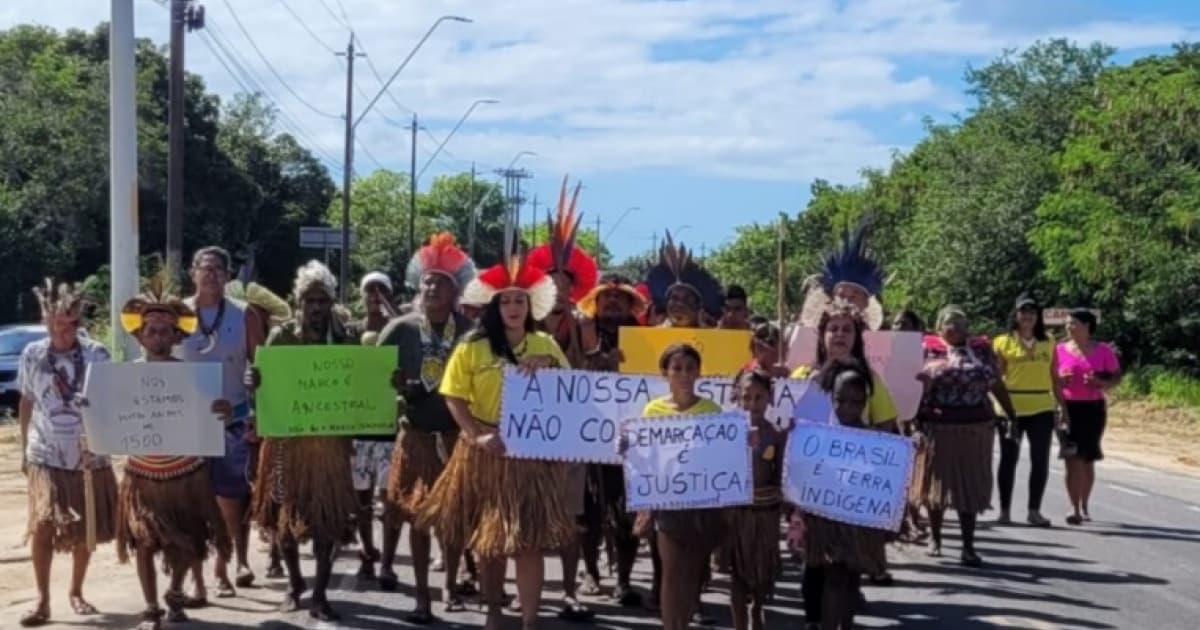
[
  {"x": 616, "y": 225},
  {"x": 351, "y": 126},
  {"x": 436, "y": 152}
]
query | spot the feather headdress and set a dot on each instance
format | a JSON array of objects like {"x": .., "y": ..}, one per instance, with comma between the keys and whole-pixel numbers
[
  {"x": 852, "y": 263},
  {"x": 61, "y": 299},
  {"x": 677, "y": 267},
  {"x": 515, "y": 275},
  {"x": 562, "y": 252},
  {"x": 441, "y": 255},
  {"x": 255, "y": 294},
  {"x": 157, "y": 298},
  {"x": 314, "y": 274}
]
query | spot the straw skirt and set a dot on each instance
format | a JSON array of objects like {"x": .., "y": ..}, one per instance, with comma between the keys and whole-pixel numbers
[
  {"x": 178, "y": 517},
  {"x": 497, "y": 506},
  {"x": 418, "y": 459},
  {"x": 305, "y": 489},
  {"x": 56, "y": 499}
]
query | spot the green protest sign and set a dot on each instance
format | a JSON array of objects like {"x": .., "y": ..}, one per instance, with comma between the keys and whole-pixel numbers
[{"x": 325, "y": 390}]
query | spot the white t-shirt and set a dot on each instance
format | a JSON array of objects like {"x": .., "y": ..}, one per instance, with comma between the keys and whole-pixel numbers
[{"x": 55, "y": 425}]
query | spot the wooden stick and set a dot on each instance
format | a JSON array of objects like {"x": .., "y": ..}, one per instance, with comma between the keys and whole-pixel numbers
[
  {"x": 781, "y": 284},
  {"x": 89, "y": 497}
]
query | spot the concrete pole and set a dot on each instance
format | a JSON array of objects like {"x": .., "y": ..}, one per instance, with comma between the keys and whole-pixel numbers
[{"x": 123, "y": 183}]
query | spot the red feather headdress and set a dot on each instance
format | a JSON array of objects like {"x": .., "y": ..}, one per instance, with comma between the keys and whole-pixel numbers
[
  {"x": 441, "y": 255},
  {"x": 562, "y": 253},
  {"x": 516, "y": 275}
]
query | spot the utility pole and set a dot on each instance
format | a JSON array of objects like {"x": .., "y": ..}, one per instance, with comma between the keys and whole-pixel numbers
[
  {"x": 347, "y": 170},
  {"x": 122, "y": 171},
  {"x": 471, "y": 220},
  {"x": 512, "y": 192},
  {"x": 412, "y": 193},
  {"x": 185, "y": 17},
  {"x": 599, "y": 244}
]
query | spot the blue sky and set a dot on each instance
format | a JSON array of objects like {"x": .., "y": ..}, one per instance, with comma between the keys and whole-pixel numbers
[{"x": 702, "y": 113}]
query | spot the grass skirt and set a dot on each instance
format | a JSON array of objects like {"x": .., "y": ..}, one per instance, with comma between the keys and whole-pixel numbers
[
  {"x": 958, "y": 473},
  {"x": 416, "y": 466},
  {"x": 305, "y": 489},
  {"x": 497, "y": 506},
  {"x": 56, "y": 499},
  {"x": 827, "y": 543},
  {"x": 754, "y": 546},
  {"x": 178, "y": 517}
]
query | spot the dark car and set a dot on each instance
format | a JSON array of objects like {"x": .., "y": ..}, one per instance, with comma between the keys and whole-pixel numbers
[{"x": 13, "y": 339}]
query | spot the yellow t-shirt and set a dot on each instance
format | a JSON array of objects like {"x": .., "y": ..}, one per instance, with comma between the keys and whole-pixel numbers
[
  {"x": 662, "y": 407},
  {"x": 1027, "y": 373},
  {"x": 476, "y": 375},
  {"x": 881, "y": 409}
]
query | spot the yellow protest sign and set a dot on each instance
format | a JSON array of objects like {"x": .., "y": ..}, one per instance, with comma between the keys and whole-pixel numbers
[{"x": 722, "y": 352}]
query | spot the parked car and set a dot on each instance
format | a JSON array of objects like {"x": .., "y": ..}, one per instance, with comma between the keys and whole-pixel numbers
[{"x": 13, "y": 339}]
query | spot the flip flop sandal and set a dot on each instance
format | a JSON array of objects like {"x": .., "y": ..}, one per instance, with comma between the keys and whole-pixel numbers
[
  {"x": 466, "y": 588},
  {"x": 574, "y": 611},
  {"x": 627, "y": 597},
  {"x": 420, "y": 618},
  {"x": 35, "y": 619},
  {"x": 971, "y": 559},
  {"x": 323, "y": 612},
  {"x": 245, "y": 578},
  {"x": 388, "y": 582},
  {"x": 82, "y": 607},
  {"x": 151, "y": 619},
  {"x": 176, "y": 615},
  {"x": 590, "y": 587},
  {"x": 455, "y": 604},
  {"x": 882, "y": 579},
  {"x": 275, "y": 573},
  {"x": 1074, "y": 520}
]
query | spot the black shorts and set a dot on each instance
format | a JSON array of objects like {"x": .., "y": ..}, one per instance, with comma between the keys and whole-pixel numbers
[{"x": 1087, "y": 420}]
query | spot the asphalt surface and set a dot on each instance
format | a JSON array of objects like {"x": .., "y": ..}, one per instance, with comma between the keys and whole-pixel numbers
[{"x": 1135, "y": 566}]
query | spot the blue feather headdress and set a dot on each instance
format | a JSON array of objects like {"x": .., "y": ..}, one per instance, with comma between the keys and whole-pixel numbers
[{"x": 852, "y": 263}]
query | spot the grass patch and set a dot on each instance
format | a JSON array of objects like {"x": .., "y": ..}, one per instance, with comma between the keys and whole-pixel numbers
[{"x": 1160, "y": 385}]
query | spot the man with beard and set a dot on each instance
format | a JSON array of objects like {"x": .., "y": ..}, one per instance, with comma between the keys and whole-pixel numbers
[
  {"x": 688, "y": 294},
  {"x": 424, "y": 340},
  {"x": 53, "y": 455},
  {"x": 304, "y": 483},
  {"x": 221, "y": 337},
  {"x": 613, "y": 303},
  {"x": 167, "y": 504},
  {"x": 574, "y": 273}
]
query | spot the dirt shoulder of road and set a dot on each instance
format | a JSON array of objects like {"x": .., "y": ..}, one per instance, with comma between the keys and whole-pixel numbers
[{"x": 1154, "y": 435}]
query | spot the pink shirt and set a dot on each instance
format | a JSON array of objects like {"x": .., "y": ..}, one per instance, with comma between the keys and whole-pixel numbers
[{"x": 1072, "y": 367}]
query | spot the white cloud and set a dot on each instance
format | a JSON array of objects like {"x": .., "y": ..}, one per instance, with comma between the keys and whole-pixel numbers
[{"x": 608, "y": 85}]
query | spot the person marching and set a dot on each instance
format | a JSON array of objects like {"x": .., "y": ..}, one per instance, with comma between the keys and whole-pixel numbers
[
  {"x": 372, "y": 453},
  {"x": 851, "y": 274},
  {"x": 220, "y": 337},
  {"x": 691, "y": 297},
  {"x": 754, "y": 529},
  {"x": 1086, "y": 370},
  {"x": 500, "y": 507},
  {"x": 575, "y": 274},
  {"x": 688, "y": 295},
  {"x": 424, "y": 340},
  {"x": 264, "y": 311},
  {"x": 957, "y": 420},
  {"x": 614, "y": 302},
  {"x": 1027, "y": 360},
  {"x": 843, "y": 552},
  {"x": 305, "y": 491},
  {"x": 54, "y": 458},
  {"x": 682, "y": 539},
  {"x": 166, "y": 503}
]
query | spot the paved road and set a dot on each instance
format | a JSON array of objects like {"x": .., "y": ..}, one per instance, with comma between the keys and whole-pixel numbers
[{"x": 1136, "y": 566}]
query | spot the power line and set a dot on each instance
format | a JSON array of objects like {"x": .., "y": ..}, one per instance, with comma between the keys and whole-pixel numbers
[
  {"x": 370, "y": 64},
  {"x": 334, "y": 15},
  {"x": 270, "y": 67},
  {"x": 305, "y": 26},
  {"x": 371, "y": 157}
]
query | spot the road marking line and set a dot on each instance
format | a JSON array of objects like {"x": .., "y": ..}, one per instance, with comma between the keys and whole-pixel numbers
[
  {"x": 1136, "y": 493},
  {"x": 1019, "y": 622}
]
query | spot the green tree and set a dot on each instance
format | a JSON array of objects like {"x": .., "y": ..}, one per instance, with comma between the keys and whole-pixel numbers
[{"x": 379, "y": 214}]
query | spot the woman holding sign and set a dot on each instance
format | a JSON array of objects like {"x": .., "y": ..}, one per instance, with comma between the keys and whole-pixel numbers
[
  {"x": 957, "y": 420},
  {"x": 499, "y": 507},
  {"x": 305, "y": 491}
]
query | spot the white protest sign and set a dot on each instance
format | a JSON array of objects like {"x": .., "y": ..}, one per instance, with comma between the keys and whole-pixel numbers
[
  {"x": 571, "y": 415},
  {"x": 688, "y": 462},
  {"x": 791, "y": 398},
  {"x": 895, "y": 356},
  {"x": 855, "y": 476},
  {"x": 159, "y": 408}
]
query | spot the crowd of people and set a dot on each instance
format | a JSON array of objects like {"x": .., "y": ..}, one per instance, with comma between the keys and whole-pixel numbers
[{"x": 444, "y": 473}]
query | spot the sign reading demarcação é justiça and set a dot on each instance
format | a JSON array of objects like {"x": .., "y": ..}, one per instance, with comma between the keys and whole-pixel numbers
[
  {"x": 325, "y": 390},
  {"x": 688, "y": 462},
  {"x": 571, "y": 415},
  {"x": 850, "y": 475}
]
